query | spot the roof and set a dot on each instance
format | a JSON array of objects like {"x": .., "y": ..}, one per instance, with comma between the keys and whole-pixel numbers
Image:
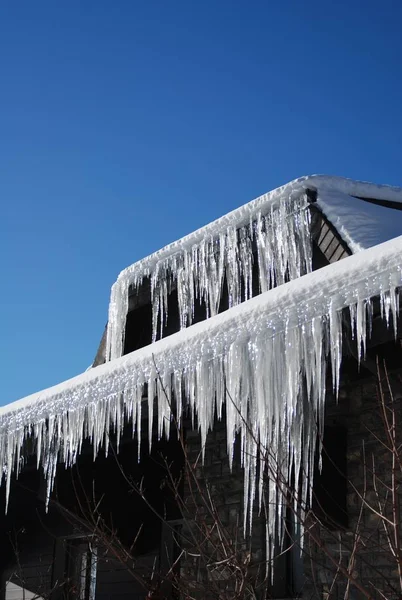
[
  {"x": 259, "y": 351},
  {"x": 361, "y": 223},
  {"x": 275, "y": 226},
  {"x": 254, "y": 356}
]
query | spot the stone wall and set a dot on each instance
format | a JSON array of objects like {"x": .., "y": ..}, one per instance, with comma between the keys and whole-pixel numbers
[
  {"x": 219, "y": 562},
  {"x": 222, "y": 562},
  {"x": 362, "y": 549}
]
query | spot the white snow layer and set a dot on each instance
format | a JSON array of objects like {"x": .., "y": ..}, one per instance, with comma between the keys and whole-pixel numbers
[
  {"x": 360, "y": 224},
  {"x": 277, "y": 224},
  {"x": 265, "y": 358}
]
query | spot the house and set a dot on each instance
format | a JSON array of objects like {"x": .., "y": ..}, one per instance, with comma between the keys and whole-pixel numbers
[{"x": 192, "y": 451}]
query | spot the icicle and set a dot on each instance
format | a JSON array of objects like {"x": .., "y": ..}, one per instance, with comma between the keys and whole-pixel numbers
[
  {"x": 139, "y": 417},
  {"x": 335, "y": 332},
  {"x": 266, "y": 359},
  {"x": 199, "y": 270},
  {"x": 361, "y": 329}
]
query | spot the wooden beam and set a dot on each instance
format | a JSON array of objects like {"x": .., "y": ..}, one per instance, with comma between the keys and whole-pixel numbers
[{"x": 327, "y": 237}]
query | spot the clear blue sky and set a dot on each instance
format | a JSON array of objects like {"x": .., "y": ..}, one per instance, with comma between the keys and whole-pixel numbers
[{"x": 125, "y": 125}]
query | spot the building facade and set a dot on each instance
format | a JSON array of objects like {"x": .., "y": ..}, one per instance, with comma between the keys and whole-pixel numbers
[{"x": 242, "y": 444}]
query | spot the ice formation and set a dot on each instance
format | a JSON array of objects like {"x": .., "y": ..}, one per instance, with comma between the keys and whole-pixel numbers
[
  {"x": 221, "y": 253},
  {"x": 265, "y": 358},
  {"x": 276, "y": 226}
]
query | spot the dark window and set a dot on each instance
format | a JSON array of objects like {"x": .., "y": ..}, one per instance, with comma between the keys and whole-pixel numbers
[
  {"x": 138, "y": 332},
  {"x": 287, "y": 565},
  {"x": 81, "y": 568}
]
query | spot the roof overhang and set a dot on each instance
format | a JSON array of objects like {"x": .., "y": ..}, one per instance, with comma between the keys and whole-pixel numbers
[{"x": 254, "y": 358}]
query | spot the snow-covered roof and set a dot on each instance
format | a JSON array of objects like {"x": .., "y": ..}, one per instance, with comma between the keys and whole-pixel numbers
[
  {"x": 361, "y": 224},
  {"x": 276, "y": 226},
  {"x": 257, "y": 354}
]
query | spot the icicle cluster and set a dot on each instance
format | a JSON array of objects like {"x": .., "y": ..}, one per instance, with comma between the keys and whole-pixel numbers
[
  {"x": 266, "y": 359},
  {"x": 277, "y": 231}
]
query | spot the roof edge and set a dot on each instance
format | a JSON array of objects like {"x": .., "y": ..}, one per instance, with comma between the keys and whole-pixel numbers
[{"x": 241, "y": 215}]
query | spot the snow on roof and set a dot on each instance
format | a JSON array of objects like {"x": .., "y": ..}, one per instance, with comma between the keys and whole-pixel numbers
[
  {"x": 216, "y": 255},
  {"x": 241, "y": 216},
  {"x": 277, "y": 223},
  {"x": 360, "y": 224},
  {"x": 253, "y": 357}
]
